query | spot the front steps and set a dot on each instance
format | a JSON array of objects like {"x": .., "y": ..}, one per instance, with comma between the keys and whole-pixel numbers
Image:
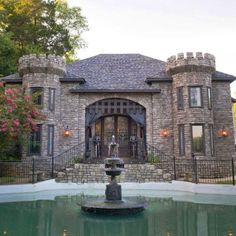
[{"x": 94, "y": 173}]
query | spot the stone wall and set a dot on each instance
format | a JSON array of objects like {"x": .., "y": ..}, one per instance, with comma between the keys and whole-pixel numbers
[
  {"x": 162, "y": 118},
  {"x": 94, "y": 173},
  {"x": 222, "y": 110},
  {"x": 158, "y": 114}
]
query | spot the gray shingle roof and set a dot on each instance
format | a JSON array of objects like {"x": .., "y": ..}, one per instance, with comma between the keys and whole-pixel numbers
[
  {"x": 223, "y": 76},
  {"x": 14, "y": 78},
  {"x": 116, "y": 71}
]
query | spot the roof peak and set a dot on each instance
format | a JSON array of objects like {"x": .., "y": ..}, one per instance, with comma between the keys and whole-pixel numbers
[{"x": 126, "y": 56}]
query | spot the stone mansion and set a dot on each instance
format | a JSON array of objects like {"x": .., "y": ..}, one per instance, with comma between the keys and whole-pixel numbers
[{"x": 181, "y": 106}]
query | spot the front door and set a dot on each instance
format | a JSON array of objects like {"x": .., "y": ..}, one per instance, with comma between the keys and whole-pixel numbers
[{"x": 118, "y": 126}]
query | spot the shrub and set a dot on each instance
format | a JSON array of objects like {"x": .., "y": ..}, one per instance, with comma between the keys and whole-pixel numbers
[{"x": 18, "y": 117}]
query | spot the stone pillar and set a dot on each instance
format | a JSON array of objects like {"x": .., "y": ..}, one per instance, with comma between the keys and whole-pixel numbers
[
  {"x": 44, "y": 72},
  {"x": 191, "y": 70}
]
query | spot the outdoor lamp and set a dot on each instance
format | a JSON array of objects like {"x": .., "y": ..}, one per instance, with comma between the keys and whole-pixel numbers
[
  {"x": 223, "y": 132},
  {"x": 165, "y": 133},
  {"x": 67, "y": 132}
]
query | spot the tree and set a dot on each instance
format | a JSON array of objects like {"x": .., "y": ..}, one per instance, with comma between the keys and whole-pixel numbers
[
  {"x": 8, "y": 55},
  {"x": 18, "y": 117},
  {"x": 42, "y": 26}
]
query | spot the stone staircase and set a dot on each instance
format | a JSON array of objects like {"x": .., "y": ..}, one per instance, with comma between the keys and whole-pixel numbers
[{"x": 94, "y": 173}]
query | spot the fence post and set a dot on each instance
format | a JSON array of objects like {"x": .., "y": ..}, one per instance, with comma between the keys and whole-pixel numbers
[
  {"x": 174, "y": 169},
  {"x": 33, "y": 171},
  {"x": 194, "y": 168},
  {"x": 233, "y": 171}
]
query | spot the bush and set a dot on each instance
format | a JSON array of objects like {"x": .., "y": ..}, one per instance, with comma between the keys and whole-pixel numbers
[
  {"x": 153, "y": 158},
  {"x": 18, "y": 118}
]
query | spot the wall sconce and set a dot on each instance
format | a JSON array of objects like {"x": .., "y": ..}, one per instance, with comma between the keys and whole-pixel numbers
[
  {"x": 67, "y": 132},
  {"x": 223, "y": 132},
  {"x": 165, "y": 133}
]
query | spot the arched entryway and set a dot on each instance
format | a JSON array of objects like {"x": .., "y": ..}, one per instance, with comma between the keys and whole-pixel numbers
[{"x": 122, "y": 118}]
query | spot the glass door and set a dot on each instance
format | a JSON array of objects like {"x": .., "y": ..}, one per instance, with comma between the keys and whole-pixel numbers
[
  {"x": 123, "y": 135},
  {"x": 118, "y": 126}
]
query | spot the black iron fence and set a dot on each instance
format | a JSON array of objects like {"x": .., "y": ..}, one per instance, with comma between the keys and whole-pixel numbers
[
  {"x": 210, "y": 171},
  {"x": 204, "y": 171},
  {"x": 27, "y": 171},
  {"x": 69, "y": 157},
  {"x": 39, "y": 169},
  {"x": 155, "y": 156}
]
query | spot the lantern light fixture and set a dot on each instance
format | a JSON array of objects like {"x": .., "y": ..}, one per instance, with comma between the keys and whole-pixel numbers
[
  {"x": 223, "y": 132},
  {"x": 67, "y": 132},
  {"x": 165, "y": 133}
]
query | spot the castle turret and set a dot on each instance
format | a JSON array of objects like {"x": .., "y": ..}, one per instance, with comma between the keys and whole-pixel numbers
[
  {"x": 192, "y": 103},
  {"x": 40, "y": 76}
]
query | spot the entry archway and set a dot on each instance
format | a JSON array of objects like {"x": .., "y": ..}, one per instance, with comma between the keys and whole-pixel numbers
[{"x": 120, "y": 117}]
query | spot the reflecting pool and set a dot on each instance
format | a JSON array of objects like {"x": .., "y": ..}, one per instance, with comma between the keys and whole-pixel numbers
[{"x": 162, "y": 217}]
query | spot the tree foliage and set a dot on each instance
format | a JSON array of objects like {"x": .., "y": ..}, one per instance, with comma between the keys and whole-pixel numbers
[
  {"x": 18, "y": 117},
  {"x": 8, "y": 55},
  {"x": 42, "y": 26}
]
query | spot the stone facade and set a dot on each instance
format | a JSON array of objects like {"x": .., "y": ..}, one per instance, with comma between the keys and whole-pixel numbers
[{"x": 146, "y": 81}]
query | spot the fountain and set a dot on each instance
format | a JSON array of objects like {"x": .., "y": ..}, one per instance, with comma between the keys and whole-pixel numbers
[{"x": 113, "y": 203}]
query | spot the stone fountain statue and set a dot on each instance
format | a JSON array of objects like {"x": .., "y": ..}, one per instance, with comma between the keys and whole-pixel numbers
[
  {"x": 113, "y": 147},
  {"x": 113, "y": 203},
  {"x": 113, "y": 167}
]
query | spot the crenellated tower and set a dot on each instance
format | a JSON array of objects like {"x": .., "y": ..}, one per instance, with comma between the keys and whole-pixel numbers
[
  {"x": 192, "y": 103},
  {"x": 41, "y": 76}
]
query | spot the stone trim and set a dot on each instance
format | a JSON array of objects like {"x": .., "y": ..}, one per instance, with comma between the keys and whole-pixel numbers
[
  {"x": 190, "y": 68},
  {"x": 39, "y": 69}
]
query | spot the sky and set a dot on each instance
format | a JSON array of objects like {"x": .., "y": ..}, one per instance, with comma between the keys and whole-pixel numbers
[{"x": 162, "y": 28}]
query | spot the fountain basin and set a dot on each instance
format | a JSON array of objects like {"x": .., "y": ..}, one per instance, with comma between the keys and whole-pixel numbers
[
  {"x": 113, "y": 203},
  {"x": 113, "y": 172},
  {"x": 114, "y": 162},
  {"x": 99, "y": 206}
]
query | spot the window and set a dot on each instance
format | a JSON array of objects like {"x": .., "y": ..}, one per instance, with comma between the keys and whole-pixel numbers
[
  {"x": 197, "y": 139},
  {"x": 180, "y": 100},
  {"x": 209, "y": 97},
  {"x": 51, "y": 102},
  {"x": 50, "y": 139},
  {"x": 37, "y": 94},
  {"x": 35, "y": 141},
  {"x": 195, "y": 96},
  {"x": 211, "y": 134},
  {"x": 181, "y": 141}
]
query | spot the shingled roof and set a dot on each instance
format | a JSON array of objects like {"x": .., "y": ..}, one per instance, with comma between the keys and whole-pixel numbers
[{"x": 116, "y": 71}]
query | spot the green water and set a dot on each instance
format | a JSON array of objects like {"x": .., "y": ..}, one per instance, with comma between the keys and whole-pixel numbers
[{"x": 163, "y": 217}]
